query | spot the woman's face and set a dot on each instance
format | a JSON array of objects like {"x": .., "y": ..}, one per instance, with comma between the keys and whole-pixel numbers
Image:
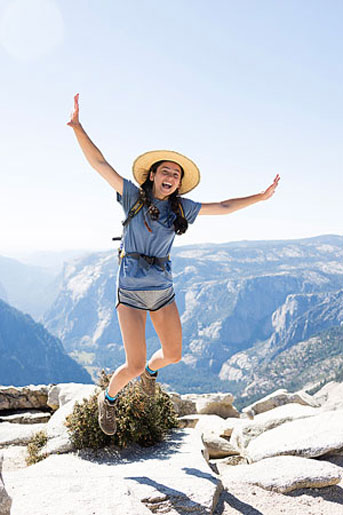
[{"x": 166, "y": 179}]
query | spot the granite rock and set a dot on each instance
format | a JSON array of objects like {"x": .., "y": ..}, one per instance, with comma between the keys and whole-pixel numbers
[
  {"x": 214, "y": 404},
  {"x": 308, "y": 437},
  {"x": 282, "y": 474}
]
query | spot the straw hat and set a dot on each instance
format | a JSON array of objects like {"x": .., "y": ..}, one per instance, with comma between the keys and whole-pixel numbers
[{"x": 143, "y": 163}]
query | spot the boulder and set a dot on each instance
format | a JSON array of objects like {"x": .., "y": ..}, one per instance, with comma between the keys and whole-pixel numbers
[
  {"x": 282, "y": 474},
  {"x": 182, "y": 406},
  {"x": 216, "y": 446},
  {"x": 308, "y": 437},
  {"x": 188, "y": 421},
  {"x": 57, "y": 433},
  {"x": 279, "y": 398},
  {"x": 25, "y": 397},
  {"x": 247, "y": 430},
  {"x": 62, "y": 393},
  {"x": 5, "y": 499},
  {"x": 213, "y": 404}
]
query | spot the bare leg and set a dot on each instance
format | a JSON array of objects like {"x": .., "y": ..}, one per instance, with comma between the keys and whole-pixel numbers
[
  {"x": 167, "y": 325},
  {"x": 132, "y": 326}
]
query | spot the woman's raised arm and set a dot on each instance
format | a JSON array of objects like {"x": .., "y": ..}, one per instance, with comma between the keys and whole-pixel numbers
[
  {"x": 233, "y": 204},
  {"x": 92, "y": 153}
]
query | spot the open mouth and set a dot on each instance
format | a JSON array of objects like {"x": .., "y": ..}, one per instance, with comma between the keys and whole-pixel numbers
[{"x": 166, "y": 185}]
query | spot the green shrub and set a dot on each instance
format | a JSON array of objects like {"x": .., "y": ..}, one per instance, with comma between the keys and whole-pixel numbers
[
  {"x": 34, "y": 447},
  {"x": 139, "y": 419}
]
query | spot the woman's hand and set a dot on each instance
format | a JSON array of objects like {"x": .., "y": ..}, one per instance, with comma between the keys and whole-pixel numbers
[
  {"x": 264, "y": 195},
  {"x": 74, "y": 117}
]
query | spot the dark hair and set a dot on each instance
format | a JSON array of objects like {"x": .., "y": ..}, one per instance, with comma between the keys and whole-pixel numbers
[{"x": 145, "y": 194}]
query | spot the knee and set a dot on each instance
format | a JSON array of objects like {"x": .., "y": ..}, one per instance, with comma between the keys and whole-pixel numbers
[
  {"x": 135, "y": 369},
  {"x": 175, "y": 358}
]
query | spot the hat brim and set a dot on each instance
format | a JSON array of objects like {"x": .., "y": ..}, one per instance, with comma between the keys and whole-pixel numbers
[{"x": 143, "y": 163}]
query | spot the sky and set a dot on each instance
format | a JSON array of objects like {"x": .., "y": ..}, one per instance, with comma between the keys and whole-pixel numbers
[{"x": 245, "y": 88}]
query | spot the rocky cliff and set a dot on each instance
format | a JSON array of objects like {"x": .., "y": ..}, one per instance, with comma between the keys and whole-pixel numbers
[
  {"x": 241, "y": 304},
  {"x": 30, "y": 354}
]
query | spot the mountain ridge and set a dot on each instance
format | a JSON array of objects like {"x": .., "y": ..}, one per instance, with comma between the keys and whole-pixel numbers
[{"x": 30, "y": 354}]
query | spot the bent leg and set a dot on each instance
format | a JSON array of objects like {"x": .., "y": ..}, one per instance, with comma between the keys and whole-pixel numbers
[
  {"x": 167, "y": 324},
  {"x": 132, "y": 325}
]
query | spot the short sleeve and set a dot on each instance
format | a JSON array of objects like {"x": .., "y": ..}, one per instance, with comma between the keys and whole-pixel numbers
[
  {"x": 129, "y": 196},
  {"x": 191, "y": 209}
]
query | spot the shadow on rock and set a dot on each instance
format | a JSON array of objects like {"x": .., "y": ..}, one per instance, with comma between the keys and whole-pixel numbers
[
  {"x": 227, "y": 499},
  {"x": 199, "y": 473},
  {"x": 169, "y": 498},
  {"x": 332, "y": 494}
]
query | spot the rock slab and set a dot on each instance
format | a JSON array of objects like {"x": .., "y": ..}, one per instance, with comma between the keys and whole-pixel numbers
[
  {"x": 17, "y": 434},
  {"x": 25, "y": 397},
  {"x": 213, "y": 404},
  {"x": 27, "y": 417},
  {"x": 283, "y": 474},
  {"x": 330, "y": 396},
  {"x": 309, "y": 437},
  {"x": 171, "y": 477},
  {"x": 279, "y": 398},
  {"x": 247, "y": 430}
]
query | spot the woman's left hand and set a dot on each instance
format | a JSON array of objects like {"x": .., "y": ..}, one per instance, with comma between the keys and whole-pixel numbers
[{"x": 271, "y": 190}]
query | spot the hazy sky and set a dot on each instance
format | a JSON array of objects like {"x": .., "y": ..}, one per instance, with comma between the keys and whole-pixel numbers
[{"x": 245, "y": 88}]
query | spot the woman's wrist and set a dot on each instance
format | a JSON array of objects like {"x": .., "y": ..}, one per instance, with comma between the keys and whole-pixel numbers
[{"x": 78, "y": 127}]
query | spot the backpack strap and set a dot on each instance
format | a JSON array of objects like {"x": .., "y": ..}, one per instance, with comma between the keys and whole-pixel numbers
[{"x": 137, "y": 206}]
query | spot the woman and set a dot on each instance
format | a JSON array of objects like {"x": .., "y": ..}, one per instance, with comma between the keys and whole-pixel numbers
[{"x": 155, "y": 213}]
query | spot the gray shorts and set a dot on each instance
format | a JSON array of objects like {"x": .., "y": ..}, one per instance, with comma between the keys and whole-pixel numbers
[{"x": 150, "y": 300}]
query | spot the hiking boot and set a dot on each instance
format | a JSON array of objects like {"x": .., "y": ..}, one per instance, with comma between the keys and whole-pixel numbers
[
  {"x": 148, "y": 383},
  {"x": 106, "y": 415}
]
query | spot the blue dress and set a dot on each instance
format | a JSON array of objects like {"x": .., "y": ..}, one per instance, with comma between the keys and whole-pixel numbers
[{"x": 132, "y": 275}]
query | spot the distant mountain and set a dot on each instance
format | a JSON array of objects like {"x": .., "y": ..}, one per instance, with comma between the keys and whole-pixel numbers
[
  {"x": 30, "y": 355},
  {"x": 3, "y": 293},
  {"x": 29, "y": 288},
  {"x": 241, "y": 303},
  {"x": 51, "y": 260},
  {"x": 301, "y": 318},
  {"x": 317, "y": 359},
  {"x": 31, "y": 281}
]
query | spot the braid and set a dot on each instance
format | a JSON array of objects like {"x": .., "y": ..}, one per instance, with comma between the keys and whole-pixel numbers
[{"x": 180, "y": 223}]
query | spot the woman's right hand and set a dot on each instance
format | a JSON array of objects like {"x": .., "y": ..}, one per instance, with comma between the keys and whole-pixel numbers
[{"x": 74, "y": 118}]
